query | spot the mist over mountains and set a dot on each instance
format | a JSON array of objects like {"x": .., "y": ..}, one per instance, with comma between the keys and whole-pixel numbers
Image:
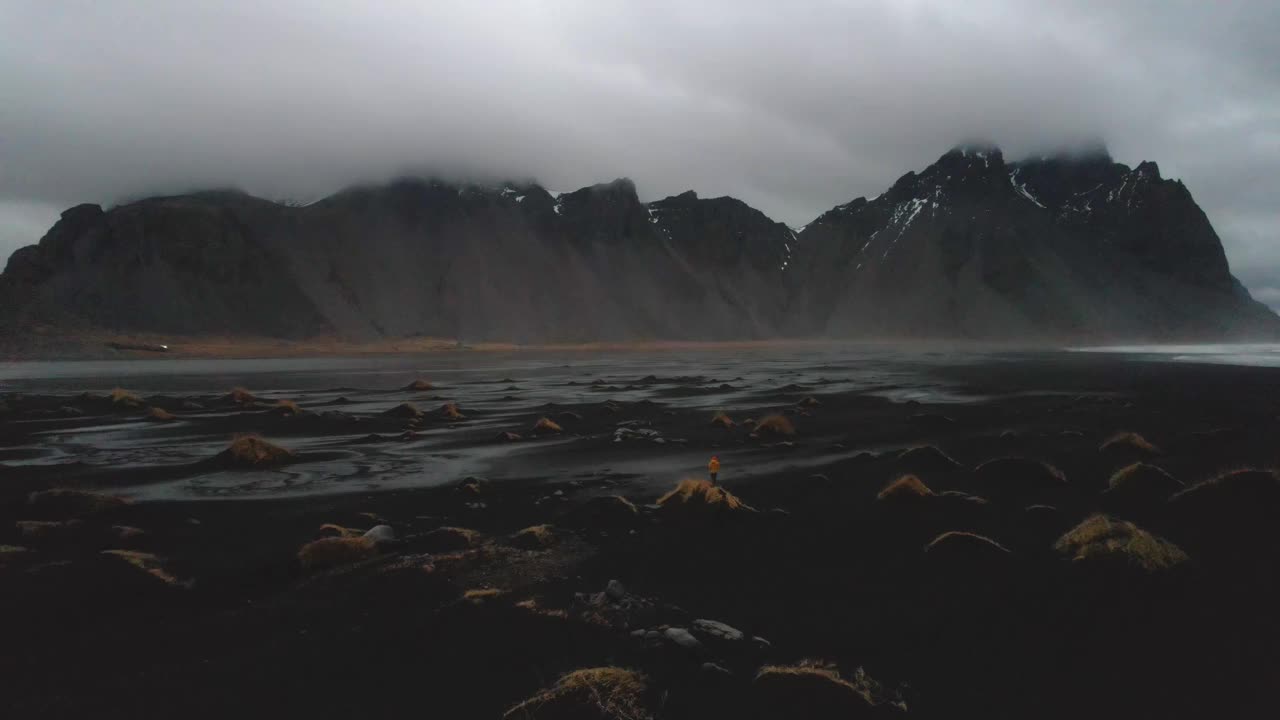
[{"x": 1070, "y": 247}]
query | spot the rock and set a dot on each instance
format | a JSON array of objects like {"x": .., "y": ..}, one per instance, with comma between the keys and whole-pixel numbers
[
  {"x": 508, "y": 437},
  {"x": 615, "y": 591},
  {"x": 683, "y": 638},
  {"x": 714, "y": 670},
  {"x": 546, "y": 426},
  {"x": 716, "y": 629},
  {"x": 405, "y": 411},
  {"x": 380, "y": 535}
]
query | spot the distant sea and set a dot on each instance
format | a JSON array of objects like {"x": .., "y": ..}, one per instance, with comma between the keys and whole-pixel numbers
[{"x": 1255, "y": 354}]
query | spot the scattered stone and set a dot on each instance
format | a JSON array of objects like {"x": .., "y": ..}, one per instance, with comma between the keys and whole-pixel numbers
[
  {"x": 718, "y": 630},
  {"x": 715, "y": 670},
  {"x": 405, "y": 411},
  {"x": 418, "y": 386},
  {"x": 615, "y": 591},
  {"x": 380, "y": 535},
  {"x": 682, "y": 638},
  {"x": 508, "y": 437}
]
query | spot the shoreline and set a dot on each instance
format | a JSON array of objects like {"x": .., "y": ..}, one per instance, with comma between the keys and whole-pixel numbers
[{"x": 41, "y": 347}]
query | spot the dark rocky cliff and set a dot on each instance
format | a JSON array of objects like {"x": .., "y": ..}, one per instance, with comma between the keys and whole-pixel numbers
[{"x": 1075, "y": 247}]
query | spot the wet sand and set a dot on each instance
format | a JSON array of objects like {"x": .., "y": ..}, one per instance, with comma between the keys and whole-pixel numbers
[{"x": 210, "y": 612}]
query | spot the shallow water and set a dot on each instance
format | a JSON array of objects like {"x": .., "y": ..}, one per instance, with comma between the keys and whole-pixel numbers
[{"x": 502, "y": 390}]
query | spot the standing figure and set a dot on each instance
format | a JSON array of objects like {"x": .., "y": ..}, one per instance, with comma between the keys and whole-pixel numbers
[{"x": 713, "y": 468}]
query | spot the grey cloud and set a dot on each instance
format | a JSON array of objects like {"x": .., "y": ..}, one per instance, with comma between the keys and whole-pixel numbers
[{"x": 793, "y": 107}]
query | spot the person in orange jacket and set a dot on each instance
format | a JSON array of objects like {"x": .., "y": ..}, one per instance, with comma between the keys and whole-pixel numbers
[{"x": 713, "y": 468}]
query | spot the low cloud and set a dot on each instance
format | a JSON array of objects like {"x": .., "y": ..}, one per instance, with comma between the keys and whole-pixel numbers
[{"x": 792, "y": 108}]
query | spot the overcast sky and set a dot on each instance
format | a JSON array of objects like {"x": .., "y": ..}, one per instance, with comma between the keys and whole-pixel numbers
[{"x": 792, "y": 106}]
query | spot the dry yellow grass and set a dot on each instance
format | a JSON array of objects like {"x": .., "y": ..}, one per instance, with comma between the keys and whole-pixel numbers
[
  {"x": 240, "y": 396},
  {"x": 698, "y": 500},
  {"x": 907, "y": 487},
  {"x": 419, "y": 386},
  {"x": 605, "y": 693},
  {"x": 1141, "y": 481},
  {"x": 958, "y": 540},
  {"x": 334, "y": 530},
  {"x": 251, "y": 451},
  {"x": 720, "y": 419},
  {"x": 809, "y": 402},
  {"x": 546, "y": 426},
  {"x": 450, "y": 411},
  {"x": 286, "y": 407},
  {"x": 773, "y": 427},
  {"x": 334, "y": 551},
  {"x": 149, "y": 564},
  {"x": 47, "y": 529},
  {"x": 813, "y": 689},
  {"x": 532, "y": 605},
  {"x": 1100, "y": 537},
  {"x": 478, "y": 596},
  {"x": 1128, "y": 440},
  {"x": 535, "y": 537},
  {"x": 160, "y": 415},
  {"x": 451, "y": 538},
  {"x": 124, "y": 398}
]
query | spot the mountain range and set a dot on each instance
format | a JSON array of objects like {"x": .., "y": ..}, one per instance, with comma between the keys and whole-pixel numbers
[{"x": 1068, "y": 247}]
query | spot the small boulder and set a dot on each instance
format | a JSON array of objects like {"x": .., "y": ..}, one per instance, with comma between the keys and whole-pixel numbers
[{"x": 380, "y": 535}]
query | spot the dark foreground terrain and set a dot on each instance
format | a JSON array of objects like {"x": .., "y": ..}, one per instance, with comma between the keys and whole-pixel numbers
[{"x": 1035, "y": 562}]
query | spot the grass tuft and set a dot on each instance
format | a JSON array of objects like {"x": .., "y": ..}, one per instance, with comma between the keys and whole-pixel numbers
[
  {"x": 607, "y": 693},
  {"x": 905, "y": 488},
  {"x": 546, "y": 426},
  {"x": 720, "y": 419},
  {"x": 419, "y": 386},
  {"x": 160, "y": 415},
  {"x": 450, "y": 411},
  {"x": 124, "y": 398},
  {"x": 1100, "y": 537},
  {"x": 335, "y": 551},
  {"x": 251, "y": 451},
  {"x": 773, "y": 426},
  {"x": 536, "y": 537},
  {"x": 149, "y": 564},
  {"x": 240, "y": 396},
  {"x": 1132, "y": 440},
  {"x": 699, "y": 500}
]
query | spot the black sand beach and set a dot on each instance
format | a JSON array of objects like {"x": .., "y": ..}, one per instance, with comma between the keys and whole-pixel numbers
[{"x": 1082, "y": 535}]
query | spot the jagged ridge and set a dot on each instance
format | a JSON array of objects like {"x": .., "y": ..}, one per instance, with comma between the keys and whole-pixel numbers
[{"x": 1068, "y": 246}]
